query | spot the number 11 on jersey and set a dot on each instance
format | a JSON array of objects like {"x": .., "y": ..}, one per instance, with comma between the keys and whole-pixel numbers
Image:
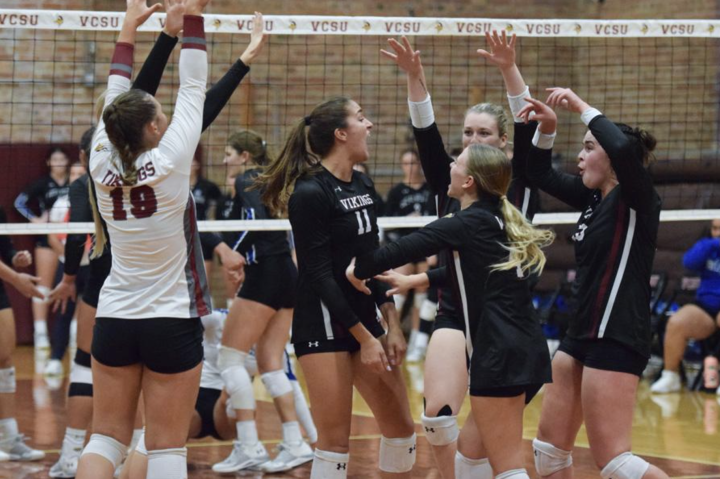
[{"x": 368, "y": 226}]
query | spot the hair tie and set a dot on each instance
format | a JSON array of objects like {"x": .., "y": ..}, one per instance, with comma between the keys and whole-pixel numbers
[
  {"x": 308, "y": 120},
  {"x": 503, "y": 197}
]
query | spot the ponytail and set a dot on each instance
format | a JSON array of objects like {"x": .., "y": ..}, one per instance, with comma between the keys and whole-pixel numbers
[{"x": 100, "y": 239}]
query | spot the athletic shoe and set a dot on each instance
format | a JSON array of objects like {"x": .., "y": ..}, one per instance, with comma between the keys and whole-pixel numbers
[
  {"x": 669, "y": 382},
  {"x": 66, "y": 466},
  {"x": 54, "y": 368},
  {"x": 289, "y": 456},
  {"x": 4, "y": 456},
  {"x": 16, "y": 448},
  {"x": 242, "y": 457}
]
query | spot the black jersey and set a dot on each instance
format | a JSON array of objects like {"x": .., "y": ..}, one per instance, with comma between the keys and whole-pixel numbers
[
  {"x": 42, "y": 193},
  {"x": 247, "y": 205},
  {"x": 436, "y": 163},
  {"x": 504, "y": 338},
  {"x": 7, "y": 249},
  {"x": 404, "y": 200},
  {"x": 615, "y": 242},
  {"x": 80, "y": 212},
  {"x": 333, "y": 221},
  {"x": 206, "y": 194}
]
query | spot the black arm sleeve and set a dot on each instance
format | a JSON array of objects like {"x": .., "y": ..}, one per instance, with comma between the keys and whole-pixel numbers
[
  {"x": 567, "y": 188},
  {"x": 152, "y": 70},
  {"x": 521, "y": 194},
  {"x": 637, "y": 188},
  {"x": 210, "y": 240},
  {"x": 80, "y": 212},
  {"x": 7, "y": 249},
  {"x": 438, "y": 277},
  {"x": 434, "y": 159},
  {"x": 219, "y": 94},
  {"x": 427, "y": 241},
  {"x": 379, "y": 290},
  {"x": 308, "y": 211}
]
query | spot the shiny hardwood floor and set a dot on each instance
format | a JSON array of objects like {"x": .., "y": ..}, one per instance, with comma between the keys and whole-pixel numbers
[{"x": 679, "y": 433}]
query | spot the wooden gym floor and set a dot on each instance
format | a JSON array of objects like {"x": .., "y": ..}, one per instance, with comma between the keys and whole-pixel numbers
[{"x": 678, "y": 432}]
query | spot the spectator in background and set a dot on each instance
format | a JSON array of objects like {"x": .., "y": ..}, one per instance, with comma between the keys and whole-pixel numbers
[{"x": 697, "y": 320}]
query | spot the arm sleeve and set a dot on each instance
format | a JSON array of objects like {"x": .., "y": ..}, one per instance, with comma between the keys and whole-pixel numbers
[
  {"x": 308, "y": 211},
  {"x": 438, "y": 277},
  {"x": 635, "y": 180},
  {"x": 210, "y": 240},
  {"x": 7, "y": 249},
  {"x": 181, "y": 139},
  {"x": 219, "y": 94},
  {"x": 567, "y": 188},
  {"x": 80, "y": 212},
  {"x": 696, "y": 256},
  {"x": 441, "y": 233},
  {"x": 434, "y": 159},
  {"x": 152, "y": 70},
  {"x": 23, "y": 199},
  {"x": 521, "y": 194},
  {"x": 379, "y": 290}
]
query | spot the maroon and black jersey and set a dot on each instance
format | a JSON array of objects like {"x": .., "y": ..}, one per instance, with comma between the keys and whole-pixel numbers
[{"x": 615, "y": 242}]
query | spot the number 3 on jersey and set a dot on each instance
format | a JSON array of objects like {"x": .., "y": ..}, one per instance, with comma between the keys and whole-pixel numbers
[
  {"x": 363, "y": 229},
  {"x": 143, "y": 203}
]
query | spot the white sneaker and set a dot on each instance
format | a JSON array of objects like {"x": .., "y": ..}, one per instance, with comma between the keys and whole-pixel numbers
[
  {"x": 66, "y": 466},
  {"x": 242, "y": 457},
  {"x": 289, "y": 456},
  {"x": 54, "y": 368},
  {"x": 41, "y": 341},
  {"x": 4, "y": 457},
  {"x": 16, "y": 448},
  {"x": 669, "y": 382}
]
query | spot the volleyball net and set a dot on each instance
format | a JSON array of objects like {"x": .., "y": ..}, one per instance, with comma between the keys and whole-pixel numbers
[{"x": 658, "y": 75}]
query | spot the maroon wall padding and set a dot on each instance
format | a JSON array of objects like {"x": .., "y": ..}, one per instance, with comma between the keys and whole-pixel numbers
[{"x": 21, "y": 165}]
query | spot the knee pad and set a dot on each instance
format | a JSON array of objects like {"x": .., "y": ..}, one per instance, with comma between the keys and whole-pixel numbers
[
  {"x": 167, "y": 464},
  {"x": 329, "y": 465},
  {"x": 514, "y": 474},
  {"x": 440, "y": 431},
  {"x": 466, "y": 468},
  {"x": 236, "y": 379},
  {"x": 277, "y": 383},
  {"x": 399, "y": 302},
  {"x": 397, "y": 454},
  {"x": 625, "y": 466},
  {"x": 428, "y": 310},
  {"x": 8, "y": 384},
  {"x": 107, "y": 447},
  {"x": 229, "y": 357},
  {"x": 419, "y": 299},
  {"x": 45, "y": 291},
  {"x": 549, "y": 459},
  {"x": 81, "y": 381},
  {"x": 140, "y": 447}
]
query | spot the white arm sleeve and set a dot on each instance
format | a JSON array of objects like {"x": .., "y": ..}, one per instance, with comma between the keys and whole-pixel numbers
[{"x": 421, "y": 113}]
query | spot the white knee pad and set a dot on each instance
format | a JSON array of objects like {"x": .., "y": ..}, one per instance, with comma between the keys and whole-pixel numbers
[
  {"x": 8, "y": 384},
  {"x": 140, "y": 447},
  {"x": 80, "y": 374},
  {"x": 419, "y": 299},
  {"x": 167, "y": 464},
  {"x": 45, "y": 291},
  {"x": 399, "y": 302},
  {"x": 329, "y": 465},
  {"x": 513, "y": 474},
  {"x": 236, "y": 379},
  {"x": 549, "y": 459},
  {"x": 107, "y": 447},
  {"x": 397, "y": 454},
  {"x": 625, "y": 466},
  {"x": 428, "y": 310},
  {"x": 277, "y": 383},
  {"x": 466, "y": 468},
  {"x": 440, "y": 431}
]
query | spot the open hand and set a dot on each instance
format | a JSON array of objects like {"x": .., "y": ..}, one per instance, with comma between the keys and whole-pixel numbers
[
  {"x": 543, "y": 114},
  {"x": 138, "y": 12},
  {"x": 175, "y": 9},
  {"x": 502, "y": 51},
  {"x": 257, "y": 40},
  {"x": 567, "y": 99},
  {"x": 405, "y": 57}
]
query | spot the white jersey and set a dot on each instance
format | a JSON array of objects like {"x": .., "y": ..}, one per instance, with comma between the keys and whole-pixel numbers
[{"x": 157, "y": 263}]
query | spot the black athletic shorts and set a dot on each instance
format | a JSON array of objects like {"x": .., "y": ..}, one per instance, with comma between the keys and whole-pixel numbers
[
  {"x": 712, "y": 312},
  {"x": 4, "y": 300},
  {"x": 164, "y": 345},
  {"x": 205, "y": 406},
  {"x": 347, "y": 344},
  {"x": 605, "y": 354},
  {"x": 449, "y": 322},
  {"x": 272, "y": 282},
  {"x": 432, "y": 294},
  {"x": 99, "y": 271},
  {"x": 41, "y": 241},
  {"x": 529, "y": 390}
]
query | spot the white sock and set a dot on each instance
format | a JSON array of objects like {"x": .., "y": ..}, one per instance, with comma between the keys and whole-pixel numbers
[
  {"x": 329, "y": 465},
  {"x": 73, "y": 442},
  {"x": 291, "y": 432},
  {"x": 466, "y": 468},
  {"x": 40, "y": 326},
  {"x": 75, "y": 435},
  {"x": 167, "y": 464},
  {"x": 412, "y": 339},
  {"x": 303, "y": 413},
  {"x": 8, "y": 428},
  {"x": 247, "y": 433}
]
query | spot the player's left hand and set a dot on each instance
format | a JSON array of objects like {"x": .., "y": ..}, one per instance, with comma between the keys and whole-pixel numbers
[{"x": 22, "y": 259}]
